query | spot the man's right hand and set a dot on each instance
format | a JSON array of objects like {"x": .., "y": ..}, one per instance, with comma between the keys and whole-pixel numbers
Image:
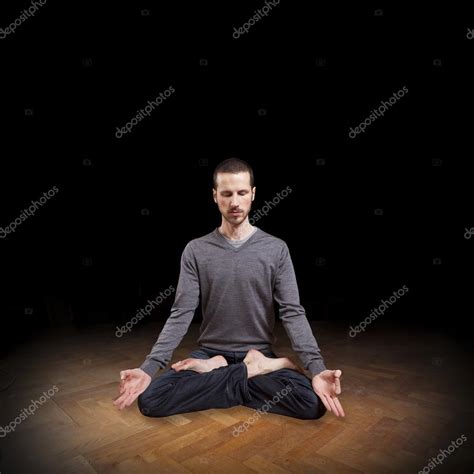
[{"x": 133, "y": 382}]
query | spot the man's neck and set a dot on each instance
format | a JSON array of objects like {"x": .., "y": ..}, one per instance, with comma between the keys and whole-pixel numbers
[{"x": 238, "y": 232}]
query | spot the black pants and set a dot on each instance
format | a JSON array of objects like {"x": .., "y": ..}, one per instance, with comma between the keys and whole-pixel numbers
[{"x": 285, "y": 391}]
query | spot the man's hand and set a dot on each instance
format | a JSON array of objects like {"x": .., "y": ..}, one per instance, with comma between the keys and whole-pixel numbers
[
  {"x": 133, "y": 382},
  {"x": 327, "y": 386}
]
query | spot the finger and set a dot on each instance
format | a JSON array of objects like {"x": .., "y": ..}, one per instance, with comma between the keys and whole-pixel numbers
[
  {"x": 118, "y": 401},
  {"x": 325, "y": 403},
  {"x": 124, "y": 374},
  {"x": 337, "y": 384},
  {"x": 335, "y": 408},
  {"x": 332, "y": 404},
  {"x": 130, "y": 399},
  {"x": 339, "y": 406},
  {"x": 125, "y": 386},
  {"x": 126, "y": 393}
]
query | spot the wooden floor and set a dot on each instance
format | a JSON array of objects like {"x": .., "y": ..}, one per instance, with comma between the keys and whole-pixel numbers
[{"x": 407, "y": 395}]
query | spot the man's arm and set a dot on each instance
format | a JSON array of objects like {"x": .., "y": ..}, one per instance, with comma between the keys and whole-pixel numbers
[
  {"x": 294, "y": 317},
  {"x": 182, "y": 312}
]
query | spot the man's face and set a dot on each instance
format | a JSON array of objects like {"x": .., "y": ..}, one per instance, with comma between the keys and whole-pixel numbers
[{"x": 234, "y": 196}]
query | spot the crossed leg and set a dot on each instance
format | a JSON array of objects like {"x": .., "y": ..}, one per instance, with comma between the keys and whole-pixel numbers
[{"x": 202, "y": 382}]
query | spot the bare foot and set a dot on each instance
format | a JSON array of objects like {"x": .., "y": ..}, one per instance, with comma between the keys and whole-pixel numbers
[
  {"x": 258, "y": 364},
  {"x": 200, "y": 365}
]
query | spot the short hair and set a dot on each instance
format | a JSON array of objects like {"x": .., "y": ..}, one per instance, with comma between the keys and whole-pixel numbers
[{"x": 234, "y": 166}]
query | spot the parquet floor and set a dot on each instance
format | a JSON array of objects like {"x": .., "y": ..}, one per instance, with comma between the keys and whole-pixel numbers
[{"x": 407, "y": 395}]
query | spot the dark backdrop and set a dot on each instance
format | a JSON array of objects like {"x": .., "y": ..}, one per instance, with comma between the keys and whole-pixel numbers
[{"x": 366, "y": 215}]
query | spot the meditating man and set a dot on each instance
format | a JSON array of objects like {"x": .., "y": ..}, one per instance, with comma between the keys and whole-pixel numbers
[{"x": 237, "y": 271}]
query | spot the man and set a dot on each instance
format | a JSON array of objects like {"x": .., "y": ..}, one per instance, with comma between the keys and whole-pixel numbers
[{"x": 238, "y": 271}]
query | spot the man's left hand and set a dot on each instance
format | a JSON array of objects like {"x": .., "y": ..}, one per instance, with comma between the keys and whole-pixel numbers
[{"x": 327, "y": 385}]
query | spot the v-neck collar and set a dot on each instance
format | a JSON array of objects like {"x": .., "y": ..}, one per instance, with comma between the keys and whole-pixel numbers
[{"x": 236, "y": 249}]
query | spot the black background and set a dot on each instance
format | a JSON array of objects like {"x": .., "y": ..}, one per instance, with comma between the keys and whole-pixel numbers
[{"x": 365, "y": 216}]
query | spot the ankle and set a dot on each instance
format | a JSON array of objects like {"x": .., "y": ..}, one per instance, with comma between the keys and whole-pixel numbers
[{"x": 252, "y": 370}]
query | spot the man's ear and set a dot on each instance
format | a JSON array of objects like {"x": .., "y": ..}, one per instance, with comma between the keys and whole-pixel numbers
[
  {"x": 253, "y": 193},
  {"x": 214, "y": 195}
]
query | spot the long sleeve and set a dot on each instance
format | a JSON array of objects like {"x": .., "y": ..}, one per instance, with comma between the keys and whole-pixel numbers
[
  {"x": 182, "y": 312},
  {"x": 293, "y": 316}
]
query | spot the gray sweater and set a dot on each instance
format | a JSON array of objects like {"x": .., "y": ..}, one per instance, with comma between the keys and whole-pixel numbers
[{"x": 237, "y": 287}]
